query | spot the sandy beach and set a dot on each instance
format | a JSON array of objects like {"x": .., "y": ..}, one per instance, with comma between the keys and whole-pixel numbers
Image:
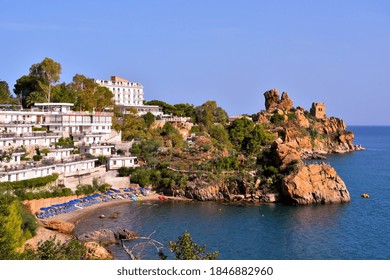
[{"x": 77, "y": 215}]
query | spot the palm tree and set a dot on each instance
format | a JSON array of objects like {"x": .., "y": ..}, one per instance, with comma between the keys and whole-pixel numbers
[{"x": 35, "y": 97}]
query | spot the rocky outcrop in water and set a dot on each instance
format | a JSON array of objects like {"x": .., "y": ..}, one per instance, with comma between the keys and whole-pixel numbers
[
  {"x": 209, "y": 193},
  {"x": 107, "y": 236},
  {"x": 103, "y": 236},
  {"x": 314, "y": 184},
  {"x": 239, "y": 190}
]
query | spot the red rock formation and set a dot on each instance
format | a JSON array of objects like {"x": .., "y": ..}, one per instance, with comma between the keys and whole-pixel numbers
[
  {"x": 57, "y": 225},
  {"x": 314, "y": 184}
]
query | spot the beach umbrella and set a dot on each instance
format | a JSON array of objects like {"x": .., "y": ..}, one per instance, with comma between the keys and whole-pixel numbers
[
  {"x": 44, "y": 208},
  {"x": 148, "y": 189},
  {"x": 140, "y": 189},
  {"x": 126, "y": 190}
]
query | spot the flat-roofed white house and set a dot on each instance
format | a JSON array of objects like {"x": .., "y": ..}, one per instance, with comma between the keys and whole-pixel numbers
[
  {"x": 25, "y": 172},
  {"x": 33, "y": 139},
  {"x": 75, "y": 166},
  {"x": 10, "y": 157},
  {"x": 97, "y": 149},
  {"x": 59, "y": 154},
  {"x": 117, "y": 162},
  {"x": 59, "y": 117}
]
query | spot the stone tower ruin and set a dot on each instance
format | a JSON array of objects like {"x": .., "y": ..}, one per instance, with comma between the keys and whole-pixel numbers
[{"x": 318, "y": 110}]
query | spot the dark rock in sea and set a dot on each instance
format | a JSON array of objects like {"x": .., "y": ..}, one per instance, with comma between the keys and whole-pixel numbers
[
  {"x": 103, "y": 236},
  {"x": 107, "y": 236},
  {"x": 125, "y": 234},
  {"x": 114, "y": 216}
]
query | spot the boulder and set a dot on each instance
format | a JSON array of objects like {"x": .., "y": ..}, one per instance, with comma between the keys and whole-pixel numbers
[
  {"x": 60, "y": 226},
  {"x": 103, "y": 236},
  {"x": 271, "y": 99},
  {"x": 95, "y": 251},
  {"x": 274, "y": 102},
  {"x": 301, "y": 118},
  {"x": 125, "y": 234},
  {"x": 285, "y": 102},
  {"x": 114, "y": 216},
  {"x": 207, "y": 193},
  {"x": 284, "y": 154},
  {"x": 314, "y": 184}
]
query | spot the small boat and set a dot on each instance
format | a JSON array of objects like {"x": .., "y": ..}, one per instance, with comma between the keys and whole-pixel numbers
[
  {"x": 133, "y": 197},
  {"x": 365, "y": 195},
  {"x": 161, "y": 197}
]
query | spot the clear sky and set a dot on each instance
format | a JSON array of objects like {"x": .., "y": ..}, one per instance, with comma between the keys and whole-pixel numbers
[{"x": 337, "y": 52}]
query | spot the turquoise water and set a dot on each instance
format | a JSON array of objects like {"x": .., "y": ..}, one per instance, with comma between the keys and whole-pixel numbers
[{"x": 357, "y": 230}]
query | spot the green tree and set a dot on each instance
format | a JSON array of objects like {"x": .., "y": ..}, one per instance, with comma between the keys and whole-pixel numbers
[
  {"x": 221, "y": 136},
  {"x": 53, "y": 249},
  {"x": 149, "y": 119},
  {"x": 186, "y": 249},
  {"x": 83, "y": 88},
  {"x": 148, "y": 150},
  {"x": 48, "y": 73},
  {"x": 257, "y": 139},
  {"x": 185, "y": 110},
  {"x": 89, "y": 95},
  {"x": 35, "y": 97},
  {"x": 62, "y": 93},
  {"x": 103, "y": 98},
  {"x": 168, "y": 109},
  {"x": 16, "y": 226},
  {"x": 5, "y": 94},
  {"x": 169, "y": 132},
  {"x": 209, "y": 113},
  {"x": 24, "y": 86},
  {"x": 132, "y": 127},
  {"x": 239, "y": 130},
  {"x": 140, "y": 176}
]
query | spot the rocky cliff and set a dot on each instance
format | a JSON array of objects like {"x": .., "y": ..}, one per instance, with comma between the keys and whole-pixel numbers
[{"x": 303, "y": 131}]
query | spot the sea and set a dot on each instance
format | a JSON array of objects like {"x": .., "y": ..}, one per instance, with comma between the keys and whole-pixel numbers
[{"x": 359, "y": 230}]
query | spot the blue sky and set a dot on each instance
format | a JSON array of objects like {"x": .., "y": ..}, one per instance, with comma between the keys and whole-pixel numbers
[{"x": 337, "y": 52}]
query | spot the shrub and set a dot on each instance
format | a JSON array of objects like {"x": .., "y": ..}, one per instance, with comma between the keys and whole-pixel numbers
[
  {"x": 39, "y": 129},
  {"x": 277, "y": 119},
  {"x": 37, "y": 157},
  {"x": 313, "y": 132},
  {"x": 124, "y": 171},
  {"x": 291, "y": 116},
  {"x": 195, "y": 129}
]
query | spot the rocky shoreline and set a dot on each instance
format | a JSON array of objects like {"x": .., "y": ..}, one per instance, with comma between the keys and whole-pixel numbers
[{"x": 61, "y": 227}]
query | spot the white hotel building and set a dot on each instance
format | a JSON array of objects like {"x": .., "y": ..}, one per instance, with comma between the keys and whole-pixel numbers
[
  {"x": 20, "y": 130},
  {"x": 129, "y": 94}
]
